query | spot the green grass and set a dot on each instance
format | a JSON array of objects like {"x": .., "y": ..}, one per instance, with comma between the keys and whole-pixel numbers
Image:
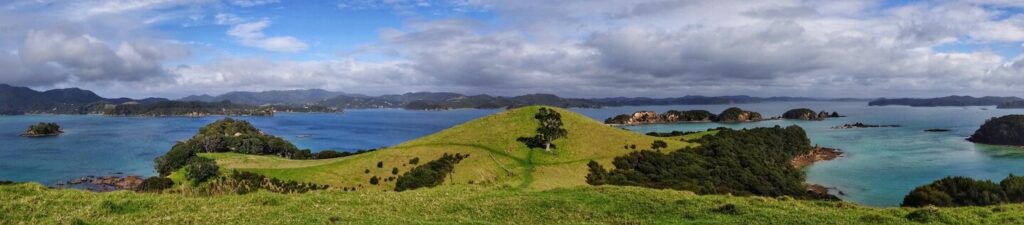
[
  {"x": 496, "y": 158},
  {"x": 462, "y": 204}
]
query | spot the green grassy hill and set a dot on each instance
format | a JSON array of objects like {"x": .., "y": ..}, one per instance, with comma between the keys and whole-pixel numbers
[{"x": 496, "y": 158}]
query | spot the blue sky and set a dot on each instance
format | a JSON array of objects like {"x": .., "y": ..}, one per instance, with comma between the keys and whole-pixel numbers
[{"x": 597, "y": 48}]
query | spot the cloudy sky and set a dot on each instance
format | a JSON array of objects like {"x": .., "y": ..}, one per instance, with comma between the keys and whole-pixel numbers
[{"x": 575, "y": 48}]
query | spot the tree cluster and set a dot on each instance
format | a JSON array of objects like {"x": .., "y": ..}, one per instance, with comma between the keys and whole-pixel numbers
[
  {"x": 247, "y": 182},
  {"x": 429, "y": 174},
  {"x": 154, "y": 184},
  {"x": 739, "y": 162},
  {"x": 964, "y": 191}
]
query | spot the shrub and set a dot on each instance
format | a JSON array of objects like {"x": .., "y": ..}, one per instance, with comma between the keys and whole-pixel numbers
[
  {"x": 924, "y": 215},
  {"x": 155, "y": 184},
  {"x": 367, "y": 171},
  {"x": 597, "y": 175},
  {"x": 200, "y": 169},
  {"x": 394, "y": 171},
  {"x": 956, "y": 191},
  {"x": 380, "y": 164},
  {"x": 728, "y": 208},
  {"x": 246, "y": 182},
  {"x": 1014, "y": 188},
  {"x": 414, "y": 161},
  {"x": 429, "y": 174},
  {"x": 174, "y": 159},
  {"x": 659, "y": 144},
  {"x": 374, "y": 180}
]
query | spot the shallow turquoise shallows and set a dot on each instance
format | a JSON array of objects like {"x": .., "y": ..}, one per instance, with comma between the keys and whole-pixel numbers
[{"x": 881, "y": 165}]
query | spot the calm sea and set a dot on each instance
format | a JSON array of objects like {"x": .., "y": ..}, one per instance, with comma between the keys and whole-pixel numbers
[{"x": 881, "y": 165}]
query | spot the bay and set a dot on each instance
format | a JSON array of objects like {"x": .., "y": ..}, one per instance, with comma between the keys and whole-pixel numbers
[{"x": 880, "y": 167}]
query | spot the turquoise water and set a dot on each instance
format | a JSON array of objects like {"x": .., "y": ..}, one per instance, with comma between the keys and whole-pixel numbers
[{"x": 881, "y": 165}]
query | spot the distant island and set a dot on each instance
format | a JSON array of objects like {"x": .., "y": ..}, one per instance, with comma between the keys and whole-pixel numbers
[
  {"x": 1004, "y": 130},
  {"x": 952, "y": 100},
  {"x": 43, "y": 130},
  {"x": 808, "y": 114},
  {"x": 733, "y": 114},
  {"x": 1011, "y": 105},
  {"x": 861, "y": 125}
]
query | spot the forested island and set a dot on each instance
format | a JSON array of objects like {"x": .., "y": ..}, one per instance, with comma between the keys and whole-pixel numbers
[
  {"x": 952, "y": 100},
  {"x": 808, "y": 114},
  {"x": 732, "y": 114},
  {"x": 43, "y": 130},
  {"x": 1004, "y": 130}
]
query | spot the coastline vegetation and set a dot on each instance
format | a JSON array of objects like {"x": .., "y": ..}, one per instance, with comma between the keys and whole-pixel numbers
[{"x": 43, "y": 129}]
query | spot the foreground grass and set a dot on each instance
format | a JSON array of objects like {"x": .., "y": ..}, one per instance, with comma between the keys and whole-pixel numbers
[
  {"x": 460, "y": 204},
  {"x": 497, "y": 159}
]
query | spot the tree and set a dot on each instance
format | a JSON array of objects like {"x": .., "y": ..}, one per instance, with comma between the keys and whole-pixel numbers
[
  {"x": 550, "y": 127},
  {"x": 374, "y": 180},
  {"x": 200, "y": 169}
]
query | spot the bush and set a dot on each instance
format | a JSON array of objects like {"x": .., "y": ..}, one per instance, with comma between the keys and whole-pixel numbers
[
  {"x": 1014, "y": 188},
  {"x": 374, "y": 180},
  {"x": 246, "y": 182},
  {"x": 174, "y": 159},
  {"x": 925, "y": 215},
  {"x": 200, "y": 169},
  {"x": 414, "y": 161},
  {"x": 659, "y": 144},
  {"x": 394, "y": 171},
  {"x": 429, "y": 174},
  {"x": 964, "y": 191},
  {"x": 597, "y": 175},
  {"x": 155, "y": 184},
  {"x": 380, "y": 164}
]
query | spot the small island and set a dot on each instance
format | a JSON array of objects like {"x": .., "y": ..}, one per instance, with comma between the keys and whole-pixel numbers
[
  {"x": 861, "y": 125},
  {"x": 43, "y": 130},
  {"x": 937, "y": 130},
  {"x": 1004, "y": 130},
  {"x": 808, "y": 114},
  {"x": 733, "y": 115}
]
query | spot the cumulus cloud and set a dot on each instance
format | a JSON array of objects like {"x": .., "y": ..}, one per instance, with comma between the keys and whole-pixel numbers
[{"x": 251, "y": 35}]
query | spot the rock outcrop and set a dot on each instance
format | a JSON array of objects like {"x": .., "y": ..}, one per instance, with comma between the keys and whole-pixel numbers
[
  {"x": 104, "y": 183},
  {"x": 1005, "y": 130},
  {"x": 815, "y": 155}
]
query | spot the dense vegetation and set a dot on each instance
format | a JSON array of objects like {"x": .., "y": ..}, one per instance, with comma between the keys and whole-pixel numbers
[
  {"x": 964, "y": 191},
  {"x": 1004, "y": 130},
  {"x": 247, "y": 182},
  {"x": 43, "y": 129},
  {"x": 739, "y": 162},
  {"x": 735, "y": 114},
  {"x": 429, "y": 174},
  {"x": 177, "y": 108},
  {"x": 155, "y": 184}
]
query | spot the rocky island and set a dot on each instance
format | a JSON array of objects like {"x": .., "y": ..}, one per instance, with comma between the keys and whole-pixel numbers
[
  {"x": 43, "y": 130},
  {"x": 861, "y": 125},
  {"x": 733, "y": 114},
  {"x": 808, "y": 114},
  {"x": 1004, "y": 130}
]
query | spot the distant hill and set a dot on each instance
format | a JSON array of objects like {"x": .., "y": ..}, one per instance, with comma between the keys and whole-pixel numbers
[
  {"x": 706, "y": 100},
  {"x": 448, "y": 100},
  {"x": 283, "y": 97},
  {"x": 21, "y": 100},
  {"x": 952, "y": 100}
]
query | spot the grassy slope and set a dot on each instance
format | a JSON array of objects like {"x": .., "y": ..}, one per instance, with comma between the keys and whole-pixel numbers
[
  {"x": 490, "y": 141},
  {"x": 34, "y": 204}
]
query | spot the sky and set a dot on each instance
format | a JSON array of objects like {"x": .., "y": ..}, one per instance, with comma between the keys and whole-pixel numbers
[{"x": 572, "y": 48}]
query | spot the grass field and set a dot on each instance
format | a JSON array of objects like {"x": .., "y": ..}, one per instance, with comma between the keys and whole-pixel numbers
[
  {"x": 461, "y": 204},
  {"x": 496, "y": 158}
]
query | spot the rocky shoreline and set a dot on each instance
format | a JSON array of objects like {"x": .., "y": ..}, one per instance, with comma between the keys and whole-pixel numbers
[
  {"x": 103, "y": 183},
  {"x": 815, "y": 155}
]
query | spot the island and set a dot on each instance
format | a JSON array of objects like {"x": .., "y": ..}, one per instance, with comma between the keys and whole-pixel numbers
[
  {"x": 808, "y": 114},
  {"x": 733, "y": 114},
  {"x": 43, "y": 130},
  {"x": 1004, "y": 130},
  {"x": 952, "y": 100},
  {"x": 1011, "y": 105},
  {"x": 937, "y": 130},
  {"x": 861, "y": 125}
]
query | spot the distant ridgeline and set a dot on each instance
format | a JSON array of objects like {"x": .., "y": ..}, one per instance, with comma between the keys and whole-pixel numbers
[
  {"x": 733, "y": 114},
  {"x": 1012, "y": 105},
  {"x": 739, "y": 162},
  {"x": 706, "y": 100},
  {"x": 21, "y": 100},
  {"x": 949, "y": 101}
]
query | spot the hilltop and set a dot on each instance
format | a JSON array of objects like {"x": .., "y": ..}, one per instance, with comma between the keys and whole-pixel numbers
[{"x": 496, "y": 158}]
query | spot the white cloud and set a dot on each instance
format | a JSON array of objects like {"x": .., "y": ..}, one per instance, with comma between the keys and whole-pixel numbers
[
  {"x": 251, "y": 35},
  {"x": 251, "y": 3}
]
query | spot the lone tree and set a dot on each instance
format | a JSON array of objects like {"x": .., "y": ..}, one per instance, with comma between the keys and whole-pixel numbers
[{"x": 550, "y": 127}]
